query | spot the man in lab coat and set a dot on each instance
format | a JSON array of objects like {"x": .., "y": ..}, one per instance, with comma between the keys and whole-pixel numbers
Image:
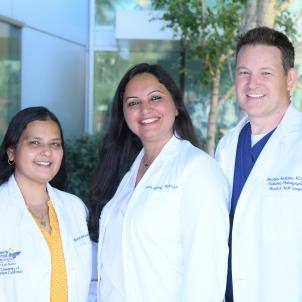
[{"x": 262, "y": 158}]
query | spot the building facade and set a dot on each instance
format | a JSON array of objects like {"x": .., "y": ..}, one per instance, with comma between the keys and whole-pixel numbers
[
  {"x": 43, "y": 59},
  {"x": 69, "y": 56}
]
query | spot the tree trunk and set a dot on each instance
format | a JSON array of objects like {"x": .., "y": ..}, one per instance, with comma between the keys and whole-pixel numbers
[
  {"x": 182, "y": 66},
  {"x": 267, "y": 13},
  {"x": 250, "y": 15},
  {"x": 250, "y": 22},
  {"x": 212, "y": 119}
]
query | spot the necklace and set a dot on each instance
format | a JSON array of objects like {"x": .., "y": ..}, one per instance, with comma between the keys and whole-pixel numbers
[
  {"x": 147, "y": 164},
  {"x": 41, "y": 219}
]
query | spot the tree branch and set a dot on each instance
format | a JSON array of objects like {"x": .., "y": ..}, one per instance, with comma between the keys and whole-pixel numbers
[
  {"x": 227, "y": 95},
  {"x": 283, "y": 6}
]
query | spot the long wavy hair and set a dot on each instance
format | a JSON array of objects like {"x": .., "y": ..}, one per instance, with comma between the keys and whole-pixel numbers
[
  {"x": 14, "y": 131},
  {"x": 120, "y": 146}
]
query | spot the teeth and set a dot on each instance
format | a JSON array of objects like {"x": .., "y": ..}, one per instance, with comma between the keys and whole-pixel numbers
[
  {"x": 149, "y": 120},
  {"x": 255, "y": 95},
  {"x": 43, "y": 163}
]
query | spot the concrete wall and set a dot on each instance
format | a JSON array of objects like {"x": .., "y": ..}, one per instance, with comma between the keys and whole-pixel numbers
[{"x": 55, "y": 37}]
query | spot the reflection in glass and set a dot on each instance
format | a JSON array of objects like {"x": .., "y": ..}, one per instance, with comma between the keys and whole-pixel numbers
[
  {"x": 105, "y": 9},
  {"x": 10, "y": 73}
]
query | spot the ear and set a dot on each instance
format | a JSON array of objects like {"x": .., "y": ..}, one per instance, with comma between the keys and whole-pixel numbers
[
  {"x": 291, "y": 78},
  {"x": 10, "y": 151}
]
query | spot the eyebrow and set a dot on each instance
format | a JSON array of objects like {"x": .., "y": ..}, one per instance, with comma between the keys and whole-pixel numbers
[
  {"x": 261, "y": 68},
  {"x": 40, "y": 138},
  {"x": 156, "y": 90},
  {"x": 131, "y": 97},
  {"x": 136, "y": 97}
]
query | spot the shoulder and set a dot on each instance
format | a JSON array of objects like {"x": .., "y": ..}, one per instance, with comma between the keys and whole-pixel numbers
[
  {"x": 196, "y": 162},
  {"x": 231, "y": 136},
  {"x": 10, "y": 194},
  {"x": 4, "y": 196},
  {"x": 190, "y": 154}
]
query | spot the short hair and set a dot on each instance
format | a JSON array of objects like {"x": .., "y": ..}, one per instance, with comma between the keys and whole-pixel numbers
[
  {"x": 270, "y": 37},
  {"x": 14, "y": 131}
]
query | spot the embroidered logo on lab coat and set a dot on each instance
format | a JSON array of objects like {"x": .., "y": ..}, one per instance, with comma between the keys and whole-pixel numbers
[
  {"x": 8, "y": 262},
  {"x": 285, "y": 183}
]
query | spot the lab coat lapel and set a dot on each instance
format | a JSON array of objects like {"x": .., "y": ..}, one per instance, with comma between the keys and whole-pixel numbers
[
  {"x": 273, "y": 149},
  {"x": 229, "y": 155},
  {"x": 28, "y": 228},
  {"x": 167, "y": 150},
  {"x": 274, "y": 145},
  {"x": 66, "y": 237}
]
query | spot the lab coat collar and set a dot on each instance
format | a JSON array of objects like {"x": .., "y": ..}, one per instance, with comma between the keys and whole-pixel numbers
[
  {"x": 15, "y": 195},
  {"x": 291, "y": 121},
  {"x": 167, "y": 150}
]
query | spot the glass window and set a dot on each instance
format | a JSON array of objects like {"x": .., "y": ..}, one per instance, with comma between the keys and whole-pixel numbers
[
  {"x": 110, "y": 66},
  {"x": 105, "y": 9},
  {"x": 10, "y": 73}
]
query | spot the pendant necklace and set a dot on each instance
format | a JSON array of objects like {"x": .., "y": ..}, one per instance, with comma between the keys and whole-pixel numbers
[{"x": 40, "y": 220}]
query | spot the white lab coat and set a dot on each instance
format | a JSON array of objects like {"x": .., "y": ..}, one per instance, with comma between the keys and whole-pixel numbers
[
  {"x": 175, "y": 228},
  {"x": 25, "y": 263},
  {"x": 267, "y": 228}
]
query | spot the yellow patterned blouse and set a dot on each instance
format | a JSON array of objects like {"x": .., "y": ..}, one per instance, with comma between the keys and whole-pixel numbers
[{"x": 58, "y": 282}]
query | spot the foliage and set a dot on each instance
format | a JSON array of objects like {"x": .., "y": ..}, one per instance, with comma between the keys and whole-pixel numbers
[
  {"x": 208, "y": 32},
  {"x": 285, "y": 22},
  {"x": 81, "y": 161}
]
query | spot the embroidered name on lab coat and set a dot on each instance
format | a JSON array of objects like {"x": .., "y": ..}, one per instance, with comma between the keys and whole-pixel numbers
[
  {"x": 82, "y": 239},
  {"x": 285, "y": 183},
  {"x": 162, "y": 188},
  {"x": 9, "y": 262}
]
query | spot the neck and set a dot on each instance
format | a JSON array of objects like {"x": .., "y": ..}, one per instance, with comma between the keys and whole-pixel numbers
[
  {"x": 34, "y": 194},
  {"x": 151, "y": 151},
  {"x": 265, "y": 124}
]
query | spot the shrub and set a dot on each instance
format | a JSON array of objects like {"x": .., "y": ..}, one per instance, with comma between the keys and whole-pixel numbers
[{"x": 81, "y": 161}]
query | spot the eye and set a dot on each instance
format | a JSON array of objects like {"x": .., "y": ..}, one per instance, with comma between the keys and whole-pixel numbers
[
  {"x": 34, "y": 142},
  {"x": 266, "y": 73},
  {"x": 56, "y": 145},
  {"x": 243, "y": 72},
  {"x": 133, "y": 103},
  {"x": 155, "y": 98}
]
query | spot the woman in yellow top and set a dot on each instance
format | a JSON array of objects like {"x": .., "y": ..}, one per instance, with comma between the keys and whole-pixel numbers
[{"x": 45, "y": 250}]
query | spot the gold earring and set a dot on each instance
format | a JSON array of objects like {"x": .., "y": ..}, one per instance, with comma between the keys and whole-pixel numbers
[{"x": 10, "y": 162}]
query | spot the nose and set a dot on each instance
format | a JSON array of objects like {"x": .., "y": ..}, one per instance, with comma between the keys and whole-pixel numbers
[
  {"x": 146, "y": 107},
  {"x": 253, "y": 81},
  {"x": 46, "y": 150}
]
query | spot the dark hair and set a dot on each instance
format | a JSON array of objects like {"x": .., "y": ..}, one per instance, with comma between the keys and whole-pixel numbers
[
  {"x": 120, "y": 146},
  {"x": 270, "y": 37},
  {"x": 15, "y": 129}
]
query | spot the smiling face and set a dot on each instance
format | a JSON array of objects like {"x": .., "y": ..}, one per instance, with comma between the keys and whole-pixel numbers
[
  {"x": 38, "y": 154},
  {"x": 262, "y": 85},
  {"x": 149, "y": 109}
]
